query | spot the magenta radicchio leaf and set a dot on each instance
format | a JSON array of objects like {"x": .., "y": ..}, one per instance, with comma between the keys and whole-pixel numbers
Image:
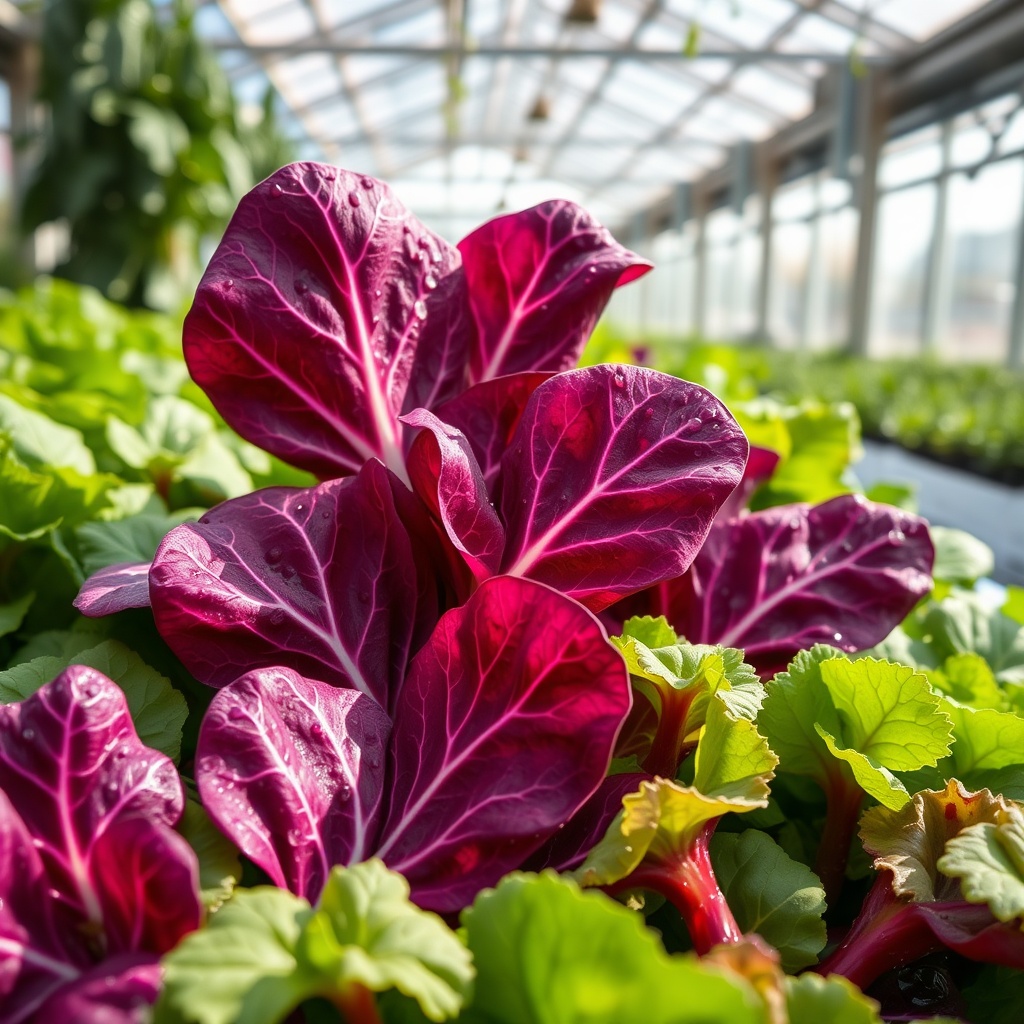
[
  {"x": 569, "y": 846},
  {"x": 321, "y": 578},
  {"x": 613, "y": 479},
  {"x": 293, "y": 770},
  {"x": 326, "y": 311},
  {"x": 119, "y": 991},
  {"x": 445, "y": 473},
  {"x": 92, "y": 868},
  {"x": 113, "y": 589},
  {"x": 538, "y": 281},
  {"x": 504, "y": 727},
  {"x": 779, "y": 581},
  {"x": 488, "y": 414}
]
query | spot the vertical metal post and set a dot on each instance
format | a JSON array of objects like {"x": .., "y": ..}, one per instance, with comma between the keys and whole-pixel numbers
[
  {"x": 1015, "y": 354},
  {"x": 936, "y": 290},
  {"x": 768, "y": 177},
  {"x": 813, "y": 277},
  {"x": 700, "y": 276},
  {"x": 871, "y": 136}
]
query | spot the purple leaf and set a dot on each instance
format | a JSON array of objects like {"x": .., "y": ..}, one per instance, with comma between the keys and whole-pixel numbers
[
  {"x": 506, "y": 726},
  {"x": 326, "y": 311},
  {"x": 613, "y": 480},
  {"x": 75, "y": 771},
  {"x": 569, "y": 846},
  {"x": 33, "y": 960},
  {"x": 779, "y": 581},
  {"x": 293, "y": 770},
  {"x": 121, "y": 990},
  {"x": 538, "y": 281},
  {"x": 488, "y": 414},
  {"x": 113, "y": 589},
  {"x": 445, "y": 474},
  {"x": 323, "y": 579}
]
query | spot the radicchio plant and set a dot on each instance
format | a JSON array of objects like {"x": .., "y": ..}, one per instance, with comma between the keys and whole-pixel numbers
[
  {"x": 96, "y": 884},
  {"x": 407, "y": 653}
]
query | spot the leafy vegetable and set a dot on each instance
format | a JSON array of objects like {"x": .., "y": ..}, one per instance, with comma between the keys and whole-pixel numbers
[
  {"x": 488, "y": 756},
  {"x": 95, "y": 875},
  {"x": 266, "y": 950}
]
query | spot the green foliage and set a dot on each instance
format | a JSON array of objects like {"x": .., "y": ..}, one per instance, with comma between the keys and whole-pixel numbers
[
  {"x": 146, "y": 152},
  {"x": 771, "y": 894},
  {"x": 546, "y": 953},
  {"x": 968, "y": 416},
  {"x": 265, "y": 951}
]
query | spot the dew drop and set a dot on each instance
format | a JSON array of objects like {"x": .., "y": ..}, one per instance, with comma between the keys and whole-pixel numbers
[
  {"x": 691, "y": 425},
  {"x": 620, "y": 381},
  {"x": 300, "y": 507},
  {"x": 897, "y": 536},
  {"x": 593, "y": 268},
  {"x": 316, "y": 730},
  {"x": 430, "y": 282},
  {"x": 377, "y": 292},
  {"x": 354, "y": 199},
  {"x": 229, "y": 284},
  {"x": 366, "y": 182},
  {"x": 420, "y": 309},
  {"x": 837, "y": 637},
  {"x": 28, "y": 735},
  {"x": 344, "y": 793},
  {"x": 278, "y": 191},
  {"x": 37, "y": 843},
  {"x": 376, "y": 319},
  {"x": 274, "y": 555},
  {"x": 301, "y": 287},
  {"x": 111, "y": 787},
  {"x": 294, "y": 837},
  {"x": 236, "y": 714}
]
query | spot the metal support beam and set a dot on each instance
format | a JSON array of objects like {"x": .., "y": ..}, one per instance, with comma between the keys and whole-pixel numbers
[
  {"x": 1015, "y": 356},
  {"x": 871, "y": 137},
  {"x": 768, "y": 180},
  {"x": 337, "y": 47},
  {"x": 936, "y": 292}
]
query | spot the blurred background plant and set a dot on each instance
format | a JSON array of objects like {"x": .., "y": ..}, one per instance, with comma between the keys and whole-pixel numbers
[{"x": 145, "y": 151}]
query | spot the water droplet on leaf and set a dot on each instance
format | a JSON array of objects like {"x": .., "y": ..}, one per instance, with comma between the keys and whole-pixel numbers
[
  {"x": 420, "y": 309},
  {"x": 354, "y": 199}
]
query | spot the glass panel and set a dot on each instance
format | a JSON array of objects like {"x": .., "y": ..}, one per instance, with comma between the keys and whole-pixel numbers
[
  {"x": 838, "y": 258},
  {"x": 911, "y": 157},
  {"x": 984, "y": 235},
  {"x": 791, "y": 250},
  {"x": 905, "y": 229},
  {"x": 922, "y": 20}
]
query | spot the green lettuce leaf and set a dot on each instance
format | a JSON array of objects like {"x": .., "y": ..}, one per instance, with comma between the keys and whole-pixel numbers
[
  {"x": 265, "y": 951},
  {"x": 812, "y": 999},
  {"x": 547, "y": 953},
  {"x": 769, "y": 893},
  {"x": 988, "y": 858},
  {"x": 366, "y": 932}
]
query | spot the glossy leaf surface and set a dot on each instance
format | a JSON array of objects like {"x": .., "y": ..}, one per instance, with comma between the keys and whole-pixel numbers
[
  {"x": 538, "y": 281},
  {"x": 779, "y": 581},
  {"x": 327, "y": 310},
  {"x": 322, "y": 579},
  {"x": 613, "y": 479},
  {"x": 506, "y": 726},
  {"x": 293, "y": 770}
]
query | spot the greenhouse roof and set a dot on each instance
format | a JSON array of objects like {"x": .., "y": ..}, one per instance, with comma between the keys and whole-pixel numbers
[{"x": 469, "y": 107}]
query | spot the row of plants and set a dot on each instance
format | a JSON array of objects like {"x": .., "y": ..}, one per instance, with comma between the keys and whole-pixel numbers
[
  {"x": 386, "y": 712},
  {"x": 967, "y": 416}
]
